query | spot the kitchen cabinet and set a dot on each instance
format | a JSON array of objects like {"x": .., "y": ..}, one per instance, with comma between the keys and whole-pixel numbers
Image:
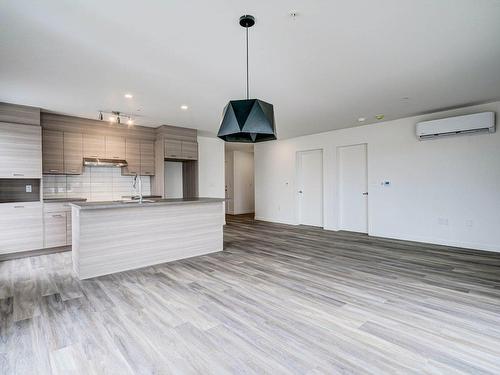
[
  {"x": 115, "y": 147},
  {"x": 189, "y": 150},
  {"x": 52, "y": 152},
  {"x": 55, "y": 229},
  {"x": 22, "y": 227},
  {"x": 20, "y": 151},
  {"x": 73, "y": 153},
  {"x": 132, "y": 156},
  {"x": 173, "y": 149},
  {"x": 57, "y": 224},
  {"x": 147, "y": 158},
  {"x": 94, "y": 146}
]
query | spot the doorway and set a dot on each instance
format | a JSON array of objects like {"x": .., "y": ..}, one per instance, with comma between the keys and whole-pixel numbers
[
  {"x": 353, "y": 188},
  {"x": 310, "y": 187}
]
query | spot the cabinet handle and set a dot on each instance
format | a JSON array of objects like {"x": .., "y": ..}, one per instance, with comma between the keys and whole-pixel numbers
[
  {"x": 18, "y": 174},
  {"x": 57, "y": 216},
  {"x": 116, "y": 157},
  {"x": 53, "y": 170},
  {"x": 18, "y": 206}
]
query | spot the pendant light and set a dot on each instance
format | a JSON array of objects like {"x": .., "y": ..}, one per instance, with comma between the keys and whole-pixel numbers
[{"x": 247, "y": 120}]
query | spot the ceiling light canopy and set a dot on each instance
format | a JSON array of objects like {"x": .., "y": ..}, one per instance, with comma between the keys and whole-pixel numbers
[{"x": 247, "y": 120}]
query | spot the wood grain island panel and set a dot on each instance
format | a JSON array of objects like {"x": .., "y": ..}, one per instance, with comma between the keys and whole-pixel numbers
[{"x": 108, "y": 240}]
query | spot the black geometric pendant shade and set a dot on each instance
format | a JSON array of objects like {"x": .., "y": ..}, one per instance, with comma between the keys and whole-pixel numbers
[{"x": 248, "y": 121}]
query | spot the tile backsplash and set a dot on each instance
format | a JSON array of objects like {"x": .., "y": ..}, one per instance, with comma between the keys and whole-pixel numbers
[{"x": 94, "y": 184}]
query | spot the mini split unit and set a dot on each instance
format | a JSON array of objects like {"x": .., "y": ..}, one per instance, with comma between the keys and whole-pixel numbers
[{"x": 478, "y": 122}]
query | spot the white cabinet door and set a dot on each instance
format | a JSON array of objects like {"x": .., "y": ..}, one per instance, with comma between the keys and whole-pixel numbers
[
  {"x": 21, "y": 227},
  {"x": 55, "y": 229},
  {"x": 20, "y": 151}
]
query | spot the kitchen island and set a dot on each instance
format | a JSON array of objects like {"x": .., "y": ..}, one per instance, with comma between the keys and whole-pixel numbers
[{"x": 116, "y": 236}]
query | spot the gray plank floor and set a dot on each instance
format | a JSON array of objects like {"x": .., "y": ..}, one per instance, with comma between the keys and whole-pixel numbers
[{"x": 279, "y": 300}]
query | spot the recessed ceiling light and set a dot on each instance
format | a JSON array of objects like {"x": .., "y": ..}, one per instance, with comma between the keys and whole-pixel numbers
[
  {"x": 184, "y": 107},
  {"x": 380, "y": 117},
  {"x": 130, "y": 122},
  {"x": 129, "y": 96},
  {"x": 361, "y": 119}
]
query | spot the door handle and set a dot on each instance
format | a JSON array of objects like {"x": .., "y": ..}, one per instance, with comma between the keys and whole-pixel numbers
[{"x": 365, "y": 193}]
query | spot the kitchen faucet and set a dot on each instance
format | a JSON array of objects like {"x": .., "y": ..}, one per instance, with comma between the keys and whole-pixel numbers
[{"x": 138, "y": 178}]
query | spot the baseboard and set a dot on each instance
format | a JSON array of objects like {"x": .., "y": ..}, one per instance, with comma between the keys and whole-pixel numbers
[
  {"x": 261, "y": 218},
  {"x": 438, "y": 241},
  {"x": 34, "y": 253}
]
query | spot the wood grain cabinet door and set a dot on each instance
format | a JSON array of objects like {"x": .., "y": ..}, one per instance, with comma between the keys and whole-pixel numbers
[
  {"x": 94, "y": 146},
  {"x": 115, "y": 147},
  {"x": 147, "y": 158},
  {"x": 55, "y": 229},
  {"x": 20, "y": 151},
  {"x": 173, "y": 149},
  {"x": 73, "y": 153},
  {"x": 190, "y": 150},
  {"x": 52, "y": 152},
  {"x": 133, "y": 157},
  {"x": 21, "y": 227}
]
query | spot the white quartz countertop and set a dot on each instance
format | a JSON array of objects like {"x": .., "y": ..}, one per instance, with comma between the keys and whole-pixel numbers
[{"x": 146, "y": 203}]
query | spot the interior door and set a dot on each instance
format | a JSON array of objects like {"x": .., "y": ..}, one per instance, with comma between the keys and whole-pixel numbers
[
  {"x": 310, "y": 187},
  {"x": 353, "y": 188},
  {"x": 229, "y": 176}
]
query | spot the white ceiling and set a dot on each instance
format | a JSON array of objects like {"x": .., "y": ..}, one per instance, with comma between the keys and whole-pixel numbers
[{"x": 335, "y": 62}]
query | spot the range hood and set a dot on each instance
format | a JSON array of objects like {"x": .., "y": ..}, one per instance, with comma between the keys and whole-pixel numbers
[{"x": 99, "y": 162}]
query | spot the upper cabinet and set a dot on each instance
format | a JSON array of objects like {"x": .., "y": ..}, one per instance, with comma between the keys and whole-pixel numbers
[
  {"x": 133, "y": 157},
  {"x": 94, "y": 146},
  {"x": 62, "y": 152},
  {"x": 140, "y": 157},
  {"x": 173, "y": 149},
  {"x": 115, "y": 147},
  {"x": 147, "y": 158},
  {"x": 52, "y": 152},
  {"x": 20, "y": 151},
  {"x": 182, "y": 150},
  {"x": 189, "y": 150},
  {"x": 73, "y": 153}
]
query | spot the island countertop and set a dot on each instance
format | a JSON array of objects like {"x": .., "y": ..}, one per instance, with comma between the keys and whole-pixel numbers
[{"x": 146, "y": 203}]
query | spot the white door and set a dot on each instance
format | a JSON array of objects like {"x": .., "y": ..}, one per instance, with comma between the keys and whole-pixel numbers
[
  {"x": 353, "y": 188},
  {"x": 229, "y": 177},
  {"x": 310, "y": 187}
]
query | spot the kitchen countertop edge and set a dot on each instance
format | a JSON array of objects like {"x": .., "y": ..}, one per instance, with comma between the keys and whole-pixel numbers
[{"x": 157, "y": 202}]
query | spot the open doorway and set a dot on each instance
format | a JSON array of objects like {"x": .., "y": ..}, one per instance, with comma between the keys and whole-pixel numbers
[{"x": 239, "y": 176}]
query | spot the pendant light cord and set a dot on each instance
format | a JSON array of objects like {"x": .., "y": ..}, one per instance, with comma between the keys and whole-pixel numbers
[{"x": 247, "y": 65}]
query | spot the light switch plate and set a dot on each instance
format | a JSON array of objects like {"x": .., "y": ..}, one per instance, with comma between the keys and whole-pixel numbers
[{"x": 29, "y": 188}]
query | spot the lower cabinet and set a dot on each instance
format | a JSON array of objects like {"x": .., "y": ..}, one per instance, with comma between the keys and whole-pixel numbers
[
  {"x": 21, "y": 227},
  {"x": 57, "y": 224}
]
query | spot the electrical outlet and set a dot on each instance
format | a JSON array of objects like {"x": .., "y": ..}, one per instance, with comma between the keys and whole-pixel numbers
[
  {"x": 442, "y": 221},
  {"x": 29, "y": 188}
]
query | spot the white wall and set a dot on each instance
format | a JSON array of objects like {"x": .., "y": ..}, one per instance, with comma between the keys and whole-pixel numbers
[
  {"x": 454, "y": 180},
  {"x": 173, "y": 179},
  {"x": 210, "y": 167}
]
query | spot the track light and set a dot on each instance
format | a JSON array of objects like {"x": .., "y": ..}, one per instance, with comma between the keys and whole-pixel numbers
[{"x": 100, "y": 115}]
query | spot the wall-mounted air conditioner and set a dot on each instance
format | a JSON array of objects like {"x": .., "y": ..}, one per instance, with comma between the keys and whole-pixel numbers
[{"x": 477, "y": 122}]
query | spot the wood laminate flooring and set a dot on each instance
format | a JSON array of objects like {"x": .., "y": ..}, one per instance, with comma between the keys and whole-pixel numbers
[{"x": 279, "y": 300}]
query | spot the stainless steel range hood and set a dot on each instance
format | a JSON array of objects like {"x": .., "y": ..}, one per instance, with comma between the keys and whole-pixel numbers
[{"x": 99, "y": 162}]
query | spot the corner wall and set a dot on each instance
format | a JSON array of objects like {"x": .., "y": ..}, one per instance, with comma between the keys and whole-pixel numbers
[{"x": 453, "y": 180}]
